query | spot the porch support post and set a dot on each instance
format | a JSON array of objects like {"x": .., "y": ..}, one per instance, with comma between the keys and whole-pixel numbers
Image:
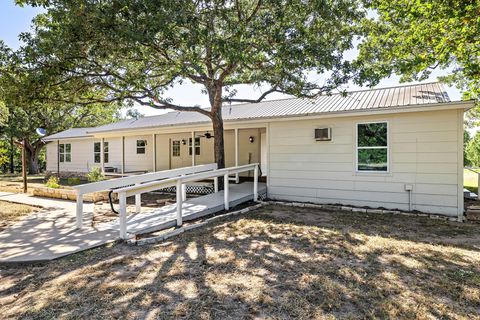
[
  {"x": 215, "y": 184},
  {"x": 123, "y": 155},
  {"x": 102, "y": 155},
  {"x": 58, "y": 158},
  {"x": 79, "y": 211},
  {"x": 237, "y": 177},
  {"x": 193, "y": 148},
  {"x": 255, "y": 183},
  {"x": 179, "y": 202},
  {"x": 154, "y": 136},
  {"x": 226, "y": 192},
  {"x": 122, "y": 200},
  {"x": 138, "y": 202}
]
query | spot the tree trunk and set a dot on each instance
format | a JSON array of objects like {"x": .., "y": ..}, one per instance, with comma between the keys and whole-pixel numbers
[
  {"x": 215, "y": 95},
  {"x": 219, "y": 146},
  {"x": 33, "y": 152},
  {"x": 12, "y": 155}
]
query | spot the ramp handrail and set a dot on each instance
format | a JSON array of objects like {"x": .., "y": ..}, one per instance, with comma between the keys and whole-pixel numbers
[
  {"x": 133, "y": 180},
  {"x": 180, "y": 182}
]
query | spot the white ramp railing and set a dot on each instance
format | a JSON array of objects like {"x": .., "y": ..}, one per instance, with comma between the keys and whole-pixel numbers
[
  {"x": 138, "y": 180},
  {"x": 180, "y": 182}
]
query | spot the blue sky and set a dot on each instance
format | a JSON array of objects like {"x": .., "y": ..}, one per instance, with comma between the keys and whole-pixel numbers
[{"x": 14, "y": 20}]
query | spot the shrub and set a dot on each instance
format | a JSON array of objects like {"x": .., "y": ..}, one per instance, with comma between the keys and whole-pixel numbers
[
  {"x": 95, "y": 175},
  {"x": 73, "y": 181},
  {"x": 53, "y": 182}
]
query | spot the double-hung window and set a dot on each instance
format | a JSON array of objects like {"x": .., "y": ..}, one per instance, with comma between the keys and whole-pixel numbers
[
  {"x": 97, "y": 152},
  {"x": 141, "y": 146},
  {"x": 197, "y": 146},
  {"x": 65, "y": 152},
  {"x": 372, "y": 147},
  {"x": 176, "y": 148}
]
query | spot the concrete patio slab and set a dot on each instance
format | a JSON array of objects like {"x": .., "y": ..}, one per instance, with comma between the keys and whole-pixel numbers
[{"x": 49, "y": 233}]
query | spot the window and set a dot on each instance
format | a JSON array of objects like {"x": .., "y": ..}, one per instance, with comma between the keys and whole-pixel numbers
[
  {"x": 176, "y": 148},
  {"x": 141, "y": 146},
  {"x": 372, "y": 147},
  {"x": 65, "y": 152},
  {"x": 197, "y": 146},
  {"x": 96, "y": 152}
]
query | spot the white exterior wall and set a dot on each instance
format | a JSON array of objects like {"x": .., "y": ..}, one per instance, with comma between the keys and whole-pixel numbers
[
  {"x": 83, "y": 155},
  {"x": 425, "y": 150}
]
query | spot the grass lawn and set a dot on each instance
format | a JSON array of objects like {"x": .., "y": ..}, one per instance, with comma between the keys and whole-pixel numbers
[
  {"x": 12, "y": 212},
  {"x": 470, "y": 180},
  {"x": 277, "y": 262},
  {"x": 14, "y": 182}
]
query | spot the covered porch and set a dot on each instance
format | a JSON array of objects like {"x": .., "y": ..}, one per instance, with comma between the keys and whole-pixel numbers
[{"x": 143, "y": 152}]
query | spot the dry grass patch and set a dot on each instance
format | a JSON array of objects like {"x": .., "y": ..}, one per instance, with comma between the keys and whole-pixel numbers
[
  {"x": 13, "y": 212},
  {"x": 279, "y": 262}
]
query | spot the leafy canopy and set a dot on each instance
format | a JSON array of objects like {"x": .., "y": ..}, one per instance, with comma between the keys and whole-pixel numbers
[
  {"x": 412, "y": 38},
  {"x": 137, "y": 49}
]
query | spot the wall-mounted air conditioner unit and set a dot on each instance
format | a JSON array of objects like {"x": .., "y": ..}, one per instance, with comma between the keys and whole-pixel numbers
[{"x": 323, "y": 134}]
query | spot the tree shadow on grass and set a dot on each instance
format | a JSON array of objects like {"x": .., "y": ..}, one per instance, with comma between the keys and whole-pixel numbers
[{"x": 259, "y": 265}]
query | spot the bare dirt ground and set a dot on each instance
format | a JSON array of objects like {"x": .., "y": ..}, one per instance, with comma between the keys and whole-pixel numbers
[
  {"x": 277, "y": 262},
  {"x": 12, "y": 212}
]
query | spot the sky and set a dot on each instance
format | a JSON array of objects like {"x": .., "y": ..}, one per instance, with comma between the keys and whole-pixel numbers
[{"x": 15, "y": 19}]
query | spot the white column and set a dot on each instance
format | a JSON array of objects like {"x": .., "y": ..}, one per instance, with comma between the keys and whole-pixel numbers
[
  {"x": 102, "y": 155},
  {"x": 138, "y": 202},
  {"x": 193, "y": 148},
  {"x": 79, "y": 211},
  {"x": 237, "y": 177},
  {"x": 179, "y": 202},
  {"x": 215, "y": 184},
  {"x": 123, "y": 155},
  {"x": 154, "y": 152},
  {"x": 226, "y": 192},
  {"x": 122, "y": 200},
  {"x": 255, "y": 183}
]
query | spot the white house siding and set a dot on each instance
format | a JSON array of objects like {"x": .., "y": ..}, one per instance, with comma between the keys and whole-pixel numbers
[
  {"x": 425, "y": 149},
  {"x": 82, "y": 156}
]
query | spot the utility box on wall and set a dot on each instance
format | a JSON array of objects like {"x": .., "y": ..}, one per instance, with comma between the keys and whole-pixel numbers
[{"x": 323, "y": 134}]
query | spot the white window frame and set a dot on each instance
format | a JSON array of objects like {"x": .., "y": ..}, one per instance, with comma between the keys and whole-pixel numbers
[
  {"x": 106, "y": 156},
  {"x": 144, "y": 146},
  {"x": 174, "y": 145},
  {"x": 64, "y": 153},
  {"x": 359, "y": 148},
  {"x": 197, "y": 147}
]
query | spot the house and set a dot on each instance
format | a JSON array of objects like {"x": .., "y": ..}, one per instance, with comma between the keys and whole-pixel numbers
[{"x": 396, "y": 148}]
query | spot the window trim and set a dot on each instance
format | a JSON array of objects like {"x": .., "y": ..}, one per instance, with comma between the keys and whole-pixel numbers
[
  {"x": 64, "y": 153},
  {"x": 360, "y": 148},
  {"x": 105, "y": 153},
  {"x": 179, "y": 148},
  {"x": 144, "y": 147},
  {"x": 190, "y": 152}
]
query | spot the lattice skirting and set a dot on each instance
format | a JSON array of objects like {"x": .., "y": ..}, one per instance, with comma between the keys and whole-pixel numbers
[{"x": 192, "y": 189}]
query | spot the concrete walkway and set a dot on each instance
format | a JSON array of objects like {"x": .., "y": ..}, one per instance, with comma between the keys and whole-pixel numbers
[{"x": 49, "y": 233}]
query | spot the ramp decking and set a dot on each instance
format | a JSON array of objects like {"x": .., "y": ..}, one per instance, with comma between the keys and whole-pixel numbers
[
  {"x": 165, "y": 217},
  {"x": 51, "y": 233}
]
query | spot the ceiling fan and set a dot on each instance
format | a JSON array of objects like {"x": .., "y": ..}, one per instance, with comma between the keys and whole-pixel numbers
[{"x": 206, "y": 135}]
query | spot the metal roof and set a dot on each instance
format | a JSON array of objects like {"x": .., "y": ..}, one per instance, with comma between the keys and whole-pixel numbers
[
  {"x": 69, "y": 134},
  {"x": 363, "y": 100}
]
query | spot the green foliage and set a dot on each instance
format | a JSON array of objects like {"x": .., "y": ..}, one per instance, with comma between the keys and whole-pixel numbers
[
  {"x": 53, "y": 182},
  {"x": 72, "y": 181},
  {"x": 95, "y": 175},
  {"x": 466, "y": 140},
  {"x": 136, "y": 50},
  {"x": 412, "y": 38},
  {"x": 473, "y": 150}
]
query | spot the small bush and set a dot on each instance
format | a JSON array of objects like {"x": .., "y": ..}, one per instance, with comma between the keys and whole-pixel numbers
[
  {"x": 95, "y": 175},
  {"x": 53, "y": 182},
  {"x": 73, "y": 181}
]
